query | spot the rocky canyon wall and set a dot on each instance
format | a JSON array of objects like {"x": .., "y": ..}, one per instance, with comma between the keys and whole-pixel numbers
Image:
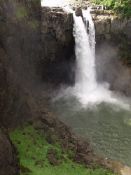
[
  {"x": 57, "y": 45},
  {"x": 19, "y": 59},
  {"x": 20, "y": 56},
  {"x": 113, "y": 56}
]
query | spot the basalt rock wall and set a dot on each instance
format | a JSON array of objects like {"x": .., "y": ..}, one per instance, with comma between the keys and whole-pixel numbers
[
  {"x": 113, "y": 56},
  {"x": 19, "y": 62},
  {"x": 57, "y": 45},
  {"x": 20, "y": 23}
]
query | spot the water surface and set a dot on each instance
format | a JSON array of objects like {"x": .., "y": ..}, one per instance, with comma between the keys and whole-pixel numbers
[{"x": 106, "y": 126}]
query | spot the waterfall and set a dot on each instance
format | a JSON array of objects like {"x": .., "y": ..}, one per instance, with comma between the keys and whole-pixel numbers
[
  {"x": 90, "y": 28},
  {"x": 85, "y": 54},
  {"x": 87, "y": 89}
]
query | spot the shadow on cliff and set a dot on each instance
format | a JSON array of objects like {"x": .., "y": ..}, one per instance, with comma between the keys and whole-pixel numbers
[
  {"x": 31, "y": 56},
  {"x": 110, "y": 68},
  {"x": 57, "y": 43}
]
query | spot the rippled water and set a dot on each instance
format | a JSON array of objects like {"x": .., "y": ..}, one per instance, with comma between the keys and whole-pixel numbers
[{"x": 107, "y": 127}]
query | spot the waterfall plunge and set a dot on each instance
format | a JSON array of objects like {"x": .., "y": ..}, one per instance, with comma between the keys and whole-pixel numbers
[
  {"x": 87, "y": 89},
  {"x": 84, "y": 50}
]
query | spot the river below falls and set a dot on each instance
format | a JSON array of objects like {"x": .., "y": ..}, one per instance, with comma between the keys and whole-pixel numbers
[{"x": 107, "y": 127}]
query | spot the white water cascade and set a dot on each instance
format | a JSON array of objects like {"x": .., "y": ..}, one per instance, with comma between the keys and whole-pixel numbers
[
  {"x": 84, "y": 50},
  {"x": 87, "y": 89}
]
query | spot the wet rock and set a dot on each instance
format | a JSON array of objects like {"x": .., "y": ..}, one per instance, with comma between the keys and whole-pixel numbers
[
  {"x": 58, "y": 132},
  {"x": 3, "y": 84},
  {"x": 79, "y": 12},
  {"x": 8, "y": 156},
  {"x": 57, "y": 45},
  {"x": 127, "y": 29},
  {"x": 20, "y": 40},
  {"x": 107, "y": 23}
]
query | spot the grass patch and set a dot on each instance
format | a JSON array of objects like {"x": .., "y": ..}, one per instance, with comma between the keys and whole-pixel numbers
[{"x": 33, "y": 150}]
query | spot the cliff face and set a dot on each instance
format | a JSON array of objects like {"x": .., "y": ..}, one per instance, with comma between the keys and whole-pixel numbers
[
  {"x": 107, "y": 24},
  {"x": 113, "y": 56},
  {"x": 57, "y": 45},
  {"x": 20, "y": 56},
  {"x": 19, "y": 59},
  {"x": 116, "y": 30},
  {"x": 8, "y": 157}
]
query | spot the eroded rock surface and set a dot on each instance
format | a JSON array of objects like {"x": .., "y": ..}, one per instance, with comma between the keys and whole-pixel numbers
[
  {"x": 107, "y": 23},
  {"x": 19, "y": 57},
  {"x": 8, "y": 156},
  {"x": 57, "y": 44},
  {"x": 113, "y": 56}
]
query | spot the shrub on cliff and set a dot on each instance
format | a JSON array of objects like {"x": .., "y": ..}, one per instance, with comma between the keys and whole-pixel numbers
[{"x": 122, "y": 7}]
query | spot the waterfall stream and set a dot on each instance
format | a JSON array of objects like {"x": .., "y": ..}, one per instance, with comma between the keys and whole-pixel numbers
[
  {"x": 84, "y": 50},
  {"x": 87, "y": 89}
]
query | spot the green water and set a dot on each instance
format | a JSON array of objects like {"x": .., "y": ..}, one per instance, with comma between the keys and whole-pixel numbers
[{"x": 107, "y": 127}]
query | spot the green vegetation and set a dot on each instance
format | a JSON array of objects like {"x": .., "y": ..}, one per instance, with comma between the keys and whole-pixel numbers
[
  {"x": 122, "y": 7},
  {"x": 21, "y": 13},
  {"x": 33, "y": 152}
]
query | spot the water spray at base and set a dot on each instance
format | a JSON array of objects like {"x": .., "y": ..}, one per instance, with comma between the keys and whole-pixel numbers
[{"x": 87, "y": 89}]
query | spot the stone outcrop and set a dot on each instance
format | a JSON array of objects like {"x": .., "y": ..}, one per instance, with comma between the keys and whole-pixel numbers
[
  {"x": 106, "y": 24},
  {"x": 57, "y": 44},
  {"x": 8, "y": 156},
  {"x": 56, "y": 131},
  {"x": 3, "y": 84},
  {"x": 20, "y": 56},
  {"x": 113, "y": 54},
  {"x": 19, "y": 59}
]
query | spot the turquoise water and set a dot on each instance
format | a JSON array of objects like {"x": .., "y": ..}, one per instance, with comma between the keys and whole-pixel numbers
[{"x": 107, "y": 127}]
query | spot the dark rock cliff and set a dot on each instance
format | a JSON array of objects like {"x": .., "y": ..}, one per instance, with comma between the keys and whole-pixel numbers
[
  {"x": 113, "y": 56},
  {"x": 19, "y": 66},
  {"x": 57, "y": 45},
  {"x": 20, "y": 58},
  {"x": 8, "y": 156}
]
